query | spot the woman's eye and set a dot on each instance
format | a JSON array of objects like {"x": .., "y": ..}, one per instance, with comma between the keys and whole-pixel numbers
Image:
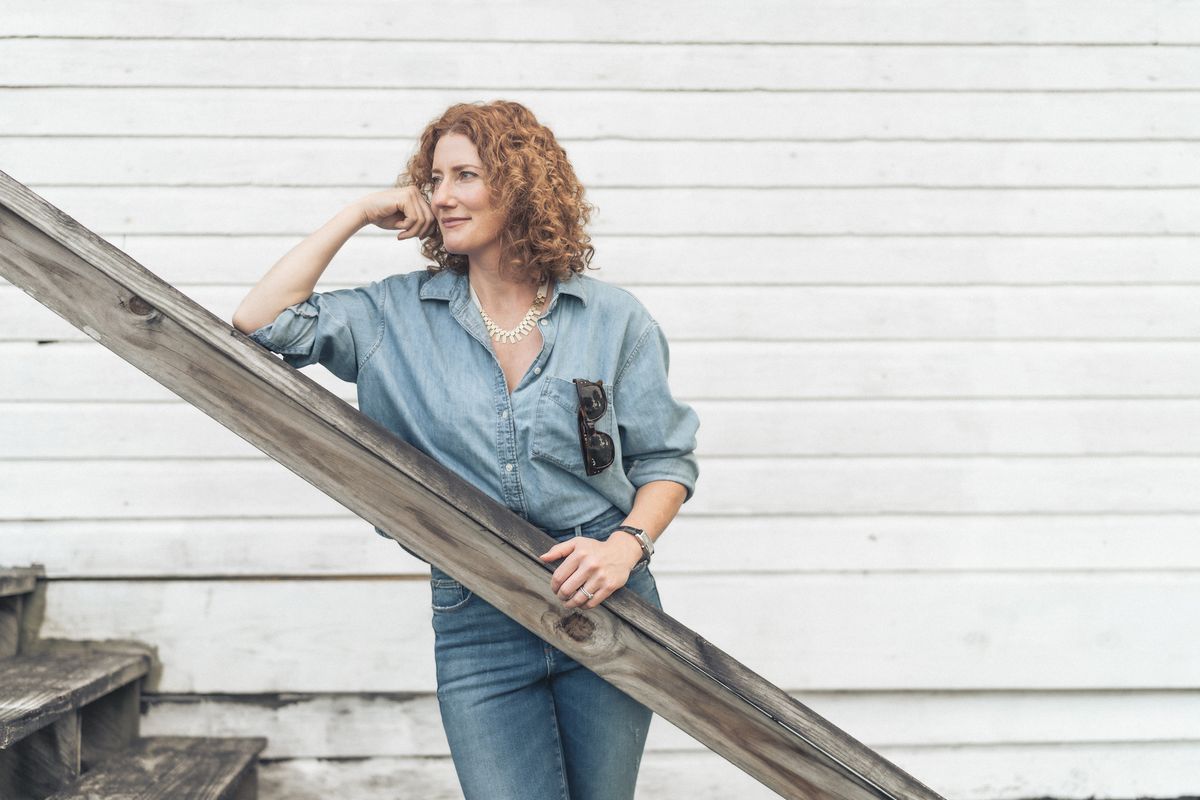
[{"x": 436, "y": 178}]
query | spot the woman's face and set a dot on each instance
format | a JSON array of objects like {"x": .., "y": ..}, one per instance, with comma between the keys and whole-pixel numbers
[{"x": 469, "y": 223}]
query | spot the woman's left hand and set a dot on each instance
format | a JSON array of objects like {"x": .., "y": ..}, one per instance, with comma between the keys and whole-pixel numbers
[{"x": 601, "y": 567}]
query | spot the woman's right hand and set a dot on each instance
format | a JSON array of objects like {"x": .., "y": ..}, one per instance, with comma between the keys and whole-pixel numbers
[{"x": 400, "y": 208}]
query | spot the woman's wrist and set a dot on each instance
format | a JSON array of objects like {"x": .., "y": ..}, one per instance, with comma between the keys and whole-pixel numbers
[
  {"x": 356, "y": 213},
  {"x": 629, "y": 543}
]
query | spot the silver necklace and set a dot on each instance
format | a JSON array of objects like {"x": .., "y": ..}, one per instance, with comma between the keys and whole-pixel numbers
[{"x": 518, "y": 333}]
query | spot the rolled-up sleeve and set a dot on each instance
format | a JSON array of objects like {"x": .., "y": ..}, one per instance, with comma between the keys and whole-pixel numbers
[
  {"x": 658, "y": 433},
  {"x": 340, "y": 329}
]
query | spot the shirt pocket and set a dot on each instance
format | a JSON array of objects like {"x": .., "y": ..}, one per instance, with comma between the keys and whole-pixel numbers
[{"x": 555, "y": 435}]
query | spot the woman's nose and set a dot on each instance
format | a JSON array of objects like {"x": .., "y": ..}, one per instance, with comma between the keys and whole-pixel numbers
[{"x": 441, "y": 195}]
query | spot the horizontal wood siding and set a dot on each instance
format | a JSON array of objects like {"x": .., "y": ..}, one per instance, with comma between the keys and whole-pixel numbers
[{"x": 930, "y": 275}]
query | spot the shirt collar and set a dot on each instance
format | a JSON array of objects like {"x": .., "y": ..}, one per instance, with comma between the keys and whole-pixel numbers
[
  {"x": 447, "y": 284},
  {"x": 441, "y": 286}
]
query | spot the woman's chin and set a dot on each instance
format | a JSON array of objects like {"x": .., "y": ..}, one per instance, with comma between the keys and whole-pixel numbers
[{"x": 454, "y": 244}]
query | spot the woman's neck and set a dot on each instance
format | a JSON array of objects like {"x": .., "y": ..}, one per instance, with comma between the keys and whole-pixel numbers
[{"x": 503, "y": 299}]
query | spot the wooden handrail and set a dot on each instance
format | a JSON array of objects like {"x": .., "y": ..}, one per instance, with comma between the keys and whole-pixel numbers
[{"x": 429, "y": 509}]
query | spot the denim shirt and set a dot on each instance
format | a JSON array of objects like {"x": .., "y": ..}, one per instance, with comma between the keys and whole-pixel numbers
[{"x": 424, "y": 366}]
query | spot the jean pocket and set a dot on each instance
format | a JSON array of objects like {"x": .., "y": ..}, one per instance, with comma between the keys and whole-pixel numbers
[{"x": 448, "y": 595}]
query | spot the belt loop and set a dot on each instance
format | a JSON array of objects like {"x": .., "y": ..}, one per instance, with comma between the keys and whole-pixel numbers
[{"x": 579, "y": 529}]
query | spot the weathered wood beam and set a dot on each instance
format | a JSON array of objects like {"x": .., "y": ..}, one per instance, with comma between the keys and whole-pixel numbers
[{"x": 429, "y": 509}]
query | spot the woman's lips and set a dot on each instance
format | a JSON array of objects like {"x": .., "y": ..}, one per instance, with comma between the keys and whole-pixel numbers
[{"x": 453, "y": 223}]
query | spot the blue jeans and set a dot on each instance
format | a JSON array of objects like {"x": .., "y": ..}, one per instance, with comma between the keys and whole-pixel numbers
[{"x": 524, "y": 720}]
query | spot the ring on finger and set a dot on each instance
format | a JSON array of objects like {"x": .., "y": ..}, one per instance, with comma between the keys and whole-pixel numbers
[{"x": 588, "y": 594}]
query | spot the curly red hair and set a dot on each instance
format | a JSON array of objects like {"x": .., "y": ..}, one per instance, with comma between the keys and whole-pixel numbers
[{"x": 529, "y": 179}]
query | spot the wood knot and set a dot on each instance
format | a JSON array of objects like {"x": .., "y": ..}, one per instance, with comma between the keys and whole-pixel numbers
[
  {"x": 577, "y": 626},
  {"x": 136, "y": 305}
]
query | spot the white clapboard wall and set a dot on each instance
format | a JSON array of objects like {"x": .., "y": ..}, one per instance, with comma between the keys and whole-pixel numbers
[{"x": 930, "y": 273}]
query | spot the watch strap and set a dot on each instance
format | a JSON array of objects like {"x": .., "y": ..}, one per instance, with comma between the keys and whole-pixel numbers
[{"x": 642, "y": 539}]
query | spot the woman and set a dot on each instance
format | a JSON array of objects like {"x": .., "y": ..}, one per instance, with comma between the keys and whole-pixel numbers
[{"x": 545, "y": 388}]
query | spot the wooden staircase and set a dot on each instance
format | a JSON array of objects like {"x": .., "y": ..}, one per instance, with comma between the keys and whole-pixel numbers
[{"x": 69, "y": 719}]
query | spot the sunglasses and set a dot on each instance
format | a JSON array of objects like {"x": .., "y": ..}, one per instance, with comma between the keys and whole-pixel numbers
[{"x": 597, "y": 446}]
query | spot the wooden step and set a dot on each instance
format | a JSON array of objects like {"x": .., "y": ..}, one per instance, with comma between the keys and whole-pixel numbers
[
  {"x": 37, "y": 688},
  {"x": 19, "y": 580},
  {"x": 16, "y": 586},
  {"x": 174, "y": 768},
  {"x": 64, "y": 710}
]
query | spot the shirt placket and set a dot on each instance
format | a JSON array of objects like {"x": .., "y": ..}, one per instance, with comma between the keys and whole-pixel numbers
[{"x": 507, "y": 460}]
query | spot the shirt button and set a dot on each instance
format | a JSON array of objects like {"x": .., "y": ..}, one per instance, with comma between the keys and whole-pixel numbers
[
  {"x": 545, "y": 322},
  {"x": 508, "y": 467},
  {"x": 504, "y": 414},
  {"x": 537, "y": 370}
]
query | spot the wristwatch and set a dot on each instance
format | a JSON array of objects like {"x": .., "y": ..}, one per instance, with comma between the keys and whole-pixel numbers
[{"x": 642, "y": 538}]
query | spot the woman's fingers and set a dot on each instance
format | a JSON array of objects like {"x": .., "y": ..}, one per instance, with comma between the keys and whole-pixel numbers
[
  {"x": 418, "y": 218},
  {"x": 412, "y": 223},
  {"x": 403, "y": 209},
  {"x": 569, "y": 576},
  {"x": 421, "y": 212},
  {"x": 589, "y": 575},
  {"x": 559, "y": 551},
  {"x": 568, "y": 590},
  {"x": 580, "y": 600},
  {"x": 585, "y": 564}
]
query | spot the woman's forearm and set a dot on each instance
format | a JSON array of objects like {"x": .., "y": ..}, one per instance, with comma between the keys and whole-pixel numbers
[
  {"x": 294, "y": 276},
  {"x": 654, "y": 506}
]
